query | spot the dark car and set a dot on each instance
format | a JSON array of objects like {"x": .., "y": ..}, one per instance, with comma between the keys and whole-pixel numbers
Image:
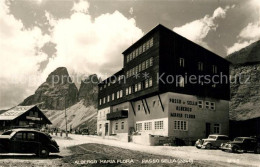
[
  {"x": 85, "y": 132},
  {"x": 242, "y": 144},
  {"x": 27, "y": 141}
]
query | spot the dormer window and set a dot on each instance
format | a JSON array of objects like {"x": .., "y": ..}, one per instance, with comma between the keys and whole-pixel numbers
[
  {"x": 181, "y": 62},
  {"x": 214, "y": 69},
  {"x": 200, "y": 66}
]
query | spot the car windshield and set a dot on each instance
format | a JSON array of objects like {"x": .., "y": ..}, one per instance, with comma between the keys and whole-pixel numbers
[
  {"x": 238, "y": 139},
  {"x": 7, "y": 133},
  {"x": 212, "y": 137}
]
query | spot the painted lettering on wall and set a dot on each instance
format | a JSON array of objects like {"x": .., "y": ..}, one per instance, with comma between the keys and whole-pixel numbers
[
  {"x": 176, "y": 115},
  {"x": 179, "y": 115},
  {"x": 176, "y": 101},
  {"x": 179, "y": 101},
  {"x": 181, "y": 108}
]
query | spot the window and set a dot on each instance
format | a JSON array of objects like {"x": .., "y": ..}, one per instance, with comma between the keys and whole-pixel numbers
[
  {"x": 147, "y": 64},
  {"x": 116, "y": 128},
  {"x": 129, "y": 90},
  {"x": 127, "y": 58},
  {"x": 117, "y": 94},
  {"x": 139, "y": 127},
  {"x": 130, "y": 72},
  {"x": 200, "y": 66},
  {"x": 122, "y": 125},
  {"x": 144, "y": 47},
  {"x": 216, "y": 128},
  {"x": 200, "y": 104},
  {"x": 146, "y": 83},
  {"x": 100, "y": 101},
  {"x": 207, "y": 104},
  {"x": 139, "y": 86},
  {"x": 31, "y": 136},
  {"x": 126, "y": 91},
  {"x": 136, "y": 52},
  {"x": 181, "y": 61},
  {"x": 151, "y": 61},
  {"x": 150, "y": 82},
  {"x": 104, "y": 100},
  {"x": 113, "y": 96},
  {"x": 181, "y": 82},
  {"x": 108, "y": 98},
  {"x": 136, "y": 69},
  {"x": 131, "y": 57},
  {"x": 121, "y": 93},
  {"x": 213, "y": 85},
  {"x": 136, "y": 88},
  {"x": 158, "y": 125},
  {"x": 20, "y": 136},
  {"x": 140, "y": 67},
  {"x": 133, "y": 71},
  {"x": 212, "y": 105},
  {"x": 134, "y": 55},
  {"x": 181, "y": 125},
  {"x": 100, "y": 126},
  {"x": 143, "y": 66},
  {"x": 148, "y": 126},
  {"x": 140, "y": 50},
  {"x": 147, "y": 45},
  {"x": 151, "y": 42},
  {"x": 214, "y": 69},
  {"x": 139, "y": 107}
]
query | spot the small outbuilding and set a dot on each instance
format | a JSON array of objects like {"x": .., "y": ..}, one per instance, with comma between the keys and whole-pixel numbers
[{"x": 23, "y": 116}]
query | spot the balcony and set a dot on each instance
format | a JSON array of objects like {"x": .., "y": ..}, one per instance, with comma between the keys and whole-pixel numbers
[{"x": 117, "y": 115}]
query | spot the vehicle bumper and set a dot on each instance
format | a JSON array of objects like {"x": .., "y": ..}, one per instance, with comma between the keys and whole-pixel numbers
[{"x": 226, "y": 148}]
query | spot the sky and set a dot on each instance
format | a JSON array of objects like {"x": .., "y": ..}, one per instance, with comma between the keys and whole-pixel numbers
[{"x": 89, "y": 36}]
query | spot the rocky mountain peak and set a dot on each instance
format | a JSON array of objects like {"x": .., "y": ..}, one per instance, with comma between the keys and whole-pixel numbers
[
  {"x": 245, "y": 79},
  {"x": 56, "y": 93},
  {"x": 58, "y": 76},
  {"x": 88, "y": 90}
]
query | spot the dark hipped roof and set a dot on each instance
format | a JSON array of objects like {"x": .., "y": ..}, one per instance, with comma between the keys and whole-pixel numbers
[
  {"x": 161, "y": 27},
  {"x": 17, "y": 111}
]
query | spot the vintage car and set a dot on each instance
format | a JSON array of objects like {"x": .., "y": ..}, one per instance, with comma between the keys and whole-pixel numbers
[
  {"x": 213, "y": 141},
  {"x": 27, "y": 141},
  {"x": 85, "y": 132},
  {"x": 242, "y": 144}
]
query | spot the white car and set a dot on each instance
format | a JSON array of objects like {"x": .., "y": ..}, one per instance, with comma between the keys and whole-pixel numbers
[{"x": 213, "y": 141}]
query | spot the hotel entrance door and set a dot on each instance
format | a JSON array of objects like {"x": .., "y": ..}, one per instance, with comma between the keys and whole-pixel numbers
[
  {"x": 207, "y": 129},
  {"x": 106, "y": 129}
]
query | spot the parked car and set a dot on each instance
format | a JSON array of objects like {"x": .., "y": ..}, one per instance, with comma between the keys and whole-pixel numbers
[
  {"x": 242, "y": 144},
  {"x": 213, "y": 141},
  {"x": 85, "y": 132},
  {"x": 27, "y": 141}
]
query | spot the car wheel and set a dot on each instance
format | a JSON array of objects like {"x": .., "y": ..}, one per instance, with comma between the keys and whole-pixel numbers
[
  {"x": 235, "y": 149},
  {"x": 208, "y": 146},
  {"x": 257, "y": 150},
  {"x": 43, "y": 152}
]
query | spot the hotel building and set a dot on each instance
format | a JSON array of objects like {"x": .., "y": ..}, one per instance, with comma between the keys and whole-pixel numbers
[{"x": 169, "y": 88}]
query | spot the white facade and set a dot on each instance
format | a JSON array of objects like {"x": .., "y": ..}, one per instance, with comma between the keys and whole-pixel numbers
[{"x": 186, "y": 117}]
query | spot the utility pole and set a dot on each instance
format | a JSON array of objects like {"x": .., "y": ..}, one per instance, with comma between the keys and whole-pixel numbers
[{"x": 65, "y": 116}]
